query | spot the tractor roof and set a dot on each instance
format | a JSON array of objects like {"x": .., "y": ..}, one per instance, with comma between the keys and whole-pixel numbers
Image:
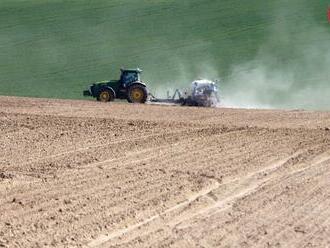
[{"x": 137, "y": 70}]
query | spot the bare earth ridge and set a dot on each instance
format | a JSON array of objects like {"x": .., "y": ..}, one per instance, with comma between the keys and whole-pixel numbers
[{"x": 86, "y": 174}]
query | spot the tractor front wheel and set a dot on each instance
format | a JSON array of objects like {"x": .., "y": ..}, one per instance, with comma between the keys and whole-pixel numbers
[
  {"x": 137, "y": 94},
  {"x": 105, "y": 95}
]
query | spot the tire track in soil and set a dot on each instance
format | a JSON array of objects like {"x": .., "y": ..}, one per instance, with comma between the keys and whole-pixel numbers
[
  {"x": 106, "y": 238},
  {"x": 280, "y": 215},
  {"x": 126, "y": 157},
  {"x": 39, "y": 192},
  {"x": 82, "y": 191},
  {"x": 244, "y": 190},
  {"x": 248, "y": 185},
  {"x": 282, "y": 229},
  {"x": 138, "y": 141},
  {"x": 83, "y": 176},
  {"x": 117, "y": 142},
  {"x": 153, "y": 149}
]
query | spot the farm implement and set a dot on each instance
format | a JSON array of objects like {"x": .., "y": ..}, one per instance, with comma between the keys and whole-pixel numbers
[{"x": 202, "y": 93}]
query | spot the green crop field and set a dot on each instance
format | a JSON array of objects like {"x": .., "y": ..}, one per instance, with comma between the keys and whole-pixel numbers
[{"x": 272, "y": 53}]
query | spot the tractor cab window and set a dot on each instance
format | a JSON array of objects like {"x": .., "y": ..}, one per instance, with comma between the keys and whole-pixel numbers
[{"x": 129, "y": 77}]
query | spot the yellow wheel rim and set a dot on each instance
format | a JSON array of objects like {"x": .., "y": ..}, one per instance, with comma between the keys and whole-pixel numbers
[
  {"x": 104, "y": 96},
  {"x": 137, "y": 95}
]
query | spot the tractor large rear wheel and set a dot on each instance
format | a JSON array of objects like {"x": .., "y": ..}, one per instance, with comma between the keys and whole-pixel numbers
[
  {"x": 105, "y": 95},
  {"x": 137, "y": 94}
]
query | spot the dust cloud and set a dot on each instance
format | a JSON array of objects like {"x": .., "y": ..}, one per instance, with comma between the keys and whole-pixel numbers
[{"x": 291, "y": 69}]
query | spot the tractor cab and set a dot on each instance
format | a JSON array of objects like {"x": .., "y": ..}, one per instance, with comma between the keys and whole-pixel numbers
[{"x": 129, "y": 76}]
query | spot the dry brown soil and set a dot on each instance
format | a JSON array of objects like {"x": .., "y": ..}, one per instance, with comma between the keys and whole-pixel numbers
[{"x": 87, "y": 174}]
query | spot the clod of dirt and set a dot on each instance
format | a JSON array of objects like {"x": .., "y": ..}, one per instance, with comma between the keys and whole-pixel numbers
[
  {"x": 15, "y": 201},
  {"x": 67, "y": 202},
  {"x": 4, "y": 175},
  {"x": 299, "y": 229}
]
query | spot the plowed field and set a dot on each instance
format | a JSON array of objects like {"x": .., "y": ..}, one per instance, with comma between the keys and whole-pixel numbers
[{"x": 87, "y": 174}]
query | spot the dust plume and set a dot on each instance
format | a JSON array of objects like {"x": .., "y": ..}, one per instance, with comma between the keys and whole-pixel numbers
[{"x": 291, "y": 68}]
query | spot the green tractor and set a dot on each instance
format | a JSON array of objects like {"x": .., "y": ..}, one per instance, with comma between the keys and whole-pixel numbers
[{"x": 129, "y": 87}]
